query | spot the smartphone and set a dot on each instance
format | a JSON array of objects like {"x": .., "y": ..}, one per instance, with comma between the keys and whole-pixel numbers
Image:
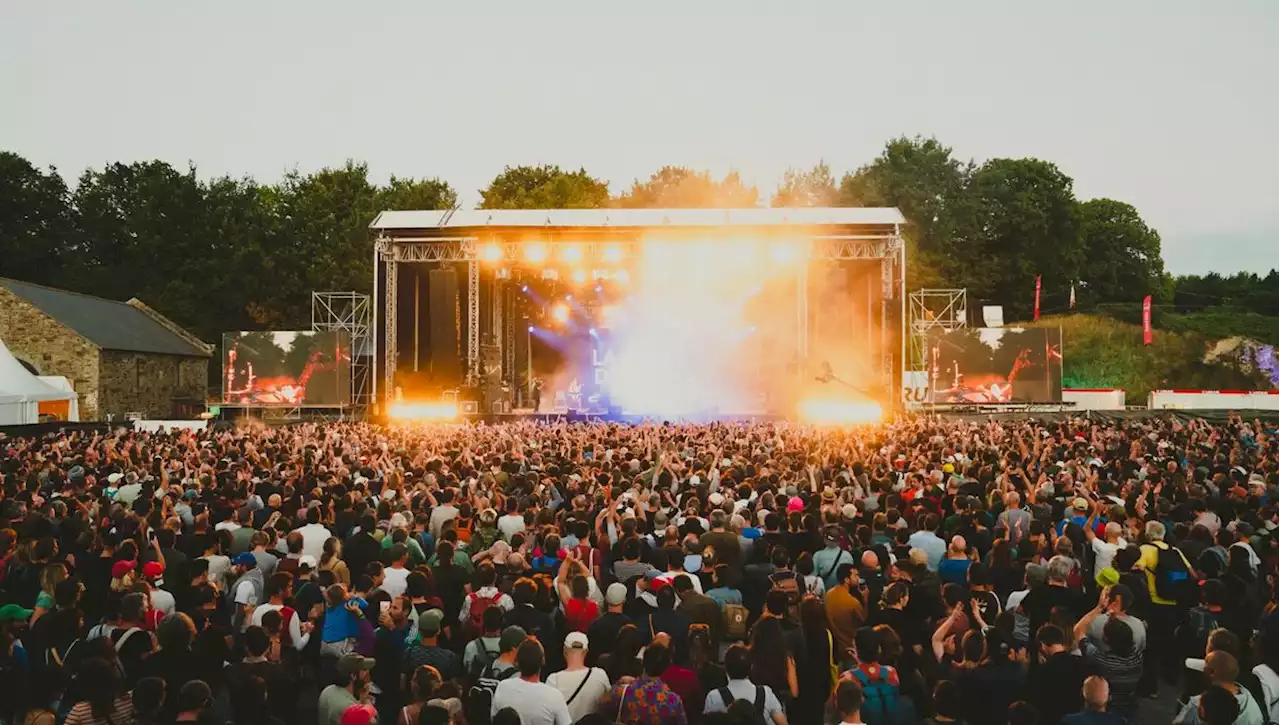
[{"x": 384, "y": 607}]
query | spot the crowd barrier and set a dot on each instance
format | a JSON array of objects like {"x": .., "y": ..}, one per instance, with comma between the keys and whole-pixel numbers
[
  {"x": 151, "y": 426},
  {"x": 1214, "y": 400}
]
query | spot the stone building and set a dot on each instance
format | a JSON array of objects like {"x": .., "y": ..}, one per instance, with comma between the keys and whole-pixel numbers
[{"x": 120, "y": 357}]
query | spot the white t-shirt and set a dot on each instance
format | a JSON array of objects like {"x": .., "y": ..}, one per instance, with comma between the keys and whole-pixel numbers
[
  {"x": 510, "y": 525},
  {"x": 1270, "y": 690},
  {"x": 395, "y": 581},
  {"x": 584, "y": 703},
  {"x": 1105, "y": 553},
  {"x": 163, "y": 601},
  {"x": 537, "y": 703}
]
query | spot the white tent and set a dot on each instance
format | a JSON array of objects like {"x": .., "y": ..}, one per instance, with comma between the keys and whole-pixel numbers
[
  {"x": 21, "y": 392},
  {"x": 60, "y": 382}
]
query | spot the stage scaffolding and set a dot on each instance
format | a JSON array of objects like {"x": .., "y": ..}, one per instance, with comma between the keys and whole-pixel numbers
[
  {"x": 497, "y": 239},
  {"x": 349, "y": 312}
]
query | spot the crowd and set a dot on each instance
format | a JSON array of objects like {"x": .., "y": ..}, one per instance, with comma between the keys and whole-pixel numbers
[{"x": 924, "y": 571}]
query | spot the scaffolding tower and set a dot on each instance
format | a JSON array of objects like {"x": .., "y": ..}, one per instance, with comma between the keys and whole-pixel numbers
[
  {"x": 349, "y": 312},
  {"x": 934, "y": 311}
]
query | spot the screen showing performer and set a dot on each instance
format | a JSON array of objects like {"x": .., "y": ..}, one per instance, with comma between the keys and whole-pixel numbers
[
  {"x": 273, "y": 368},
  {"x": 996, "y": 365}
]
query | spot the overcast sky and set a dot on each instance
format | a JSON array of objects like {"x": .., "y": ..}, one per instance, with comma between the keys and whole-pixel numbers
[{"x": 1169, "y": 105}]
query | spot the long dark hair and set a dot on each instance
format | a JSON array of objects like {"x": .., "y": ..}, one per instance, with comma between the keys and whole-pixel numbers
[
  {"x": 769, "y": 654},
  {"x": 813, "y": 621},
  {"x": 100, "y": 684}
]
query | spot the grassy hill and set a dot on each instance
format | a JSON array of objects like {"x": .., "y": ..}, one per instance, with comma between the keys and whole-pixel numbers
[{"x": 1102, "y": 352}]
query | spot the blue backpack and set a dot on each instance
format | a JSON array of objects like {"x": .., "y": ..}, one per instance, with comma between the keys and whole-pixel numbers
[{"x": 879, "y": 698}]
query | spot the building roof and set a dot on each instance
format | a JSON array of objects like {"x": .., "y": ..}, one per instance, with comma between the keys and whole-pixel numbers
[
  {"x": 108, "y": 324},
  {"x": 627, "y": 218}
]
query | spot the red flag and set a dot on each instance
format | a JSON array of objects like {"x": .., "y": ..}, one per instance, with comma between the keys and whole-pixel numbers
[
  {"x": 1146, "y": 320},
  {"x": 1037, "y": 312}
]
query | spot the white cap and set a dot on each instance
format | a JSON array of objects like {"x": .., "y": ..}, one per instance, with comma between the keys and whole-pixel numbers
[
  {"x": 575, "y": 640},
  {"x": 716, "y": 498},
  {"x": 307, "y": 560},
  {"x": 115, "y": 477}
]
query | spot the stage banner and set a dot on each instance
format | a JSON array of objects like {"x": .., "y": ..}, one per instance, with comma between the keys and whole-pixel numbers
[
  {"x": 1037, "y": 312},
  {"x": 1146, "y": 320}
]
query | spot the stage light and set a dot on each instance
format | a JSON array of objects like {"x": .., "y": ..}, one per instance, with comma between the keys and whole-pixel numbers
[
  {"x": 783, "y": 253},
  {"x": 524, "y": 288},
  {"x": 532, "y": 328},
  {"x": 535, "y": 252},
  {"x": 824, "y": 411},
  {"x": 622, "y": 276},
  {"x": 599, "y": 289},
  {"x": 568, "y": 298},
  {"x": 571, "y": 254},
  {"x": 560, "y": 313},
  {"x": 579, "y": 276},
  {"x": 551, "y": 274},
  {"x": 491, "y": 253},
  {"x": 592, "y": 332},
  {"x": 504, "y": 273},
  {"x": 612, "y": 253}
]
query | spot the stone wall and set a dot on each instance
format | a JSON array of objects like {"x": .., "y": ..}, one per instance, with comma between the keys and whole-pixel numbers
[
  {"x": 38, "y": 340},
  {"x": 155, "y": 385}
]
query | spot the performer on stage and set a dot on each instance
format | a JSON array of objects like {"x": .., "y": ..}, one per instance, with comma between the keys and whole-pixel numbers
[{"x": 537, "y": 394}]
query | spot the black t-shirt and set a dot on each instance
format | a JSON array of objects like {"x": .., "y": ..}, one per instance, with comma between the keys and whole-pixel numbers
[
  {"x": 602, "y": 633},
  {"x": 135, "y": 648},
  {"x": 1055, "y": 685}
]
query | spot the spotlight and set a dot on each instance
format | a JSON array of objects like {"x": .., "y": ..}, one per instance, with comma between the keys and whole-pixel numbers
[
  {"x": 524, "y": 288},
  {"x": 568, "y": 298},
  {"x": 599, "y": 289},
  {"x": 612, "y": 253},
  {"x": 552, "y": 274},
  {"x": 491, "y": 253},
  {"x": 532, "y": 328},
  {"x": 592, "y": 332},
  {"x": 560, "y": 313},
  {"x": 535, "y": 252},
  {"x": 579, "y": 276},
  {"x": 783, "y": 253},
  {"x": 571, "y": 254},
  {"x": 622, "y": 276}
]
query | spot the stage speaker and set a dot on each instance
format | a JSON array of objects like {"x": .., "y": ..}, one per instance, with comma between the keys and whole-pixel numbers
[
  {"x": 442, "y": 332},
  {"x": 496, "y": 398}
]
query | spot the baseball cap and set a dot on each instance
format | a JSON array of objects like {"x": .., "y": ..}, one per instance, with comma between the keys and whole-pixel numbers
[
  {"x": 307, "y": 560},
  {"x": 359, "y": 714},
  {"x": 429, "y": 622},
  {"x": 795, "y": 504},
  {"x": 349, "y": 664},
  {"x": 511, "y": 638},
  {"x": 244, "y": 559},
  {"x": 615, "y": 594},
  {"x": 1080, "y": 505},
  {"x": 153, "y": 570},
  {"x": 15, "y": 613},
  {"x": 115, "y": 477},
  {"x": 120, "y": 568},
  {"x": 849, "y": 511},
  {"x": 575, "y": 640}
]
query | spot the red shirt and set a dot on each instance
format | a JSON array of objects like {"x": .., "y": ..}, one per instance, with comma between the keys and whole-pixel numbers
[
  {"x": 580, "y": 613},
  {"x": 684, "y": 682}
]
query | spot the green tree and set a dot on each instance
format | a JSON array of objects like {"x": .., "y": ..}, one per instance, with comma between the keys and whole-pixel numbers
[
  {"x": 678, "y": 187},
  {"x": 929, "y": 186},
  {"x": 544, "y": 187},
  {"x": 1121, "y": 254},
  {"x": 35, "y": 221},
  {"x": 1026, "y": 223},
  {"x": 815, "y": 187},
  {"x": 410, "y": 194}
]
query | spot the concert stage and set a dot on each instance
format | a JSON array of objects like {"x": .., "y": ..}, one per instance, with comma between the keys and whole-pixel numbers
[{"x": 665, "y": 311}]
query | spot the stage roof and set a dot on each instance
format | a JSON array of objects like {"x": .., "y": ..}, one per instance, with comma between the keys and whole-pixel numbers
[{"x": 391, "y": 221}]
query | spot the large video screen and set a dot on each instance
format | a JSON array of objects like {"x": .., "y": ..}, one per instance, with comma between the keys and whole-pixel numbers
[
  {"x": 286, "y": 368},
  {"x": 996, "y": 365}
]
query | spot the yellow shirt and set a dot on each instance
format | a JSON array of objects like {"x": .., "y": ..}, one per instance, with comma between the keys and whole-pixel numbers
[{"x": 1149, "y": 560}]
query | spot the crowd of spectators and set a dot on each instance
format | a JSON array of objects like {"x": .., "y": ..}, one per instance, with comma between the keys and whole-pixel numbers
[{"x": 924, "y": 571}]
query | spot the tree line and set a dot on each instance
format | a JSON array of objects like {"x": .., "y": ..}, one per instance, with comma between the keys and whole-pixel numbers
[{"x": 235, "y": 253}]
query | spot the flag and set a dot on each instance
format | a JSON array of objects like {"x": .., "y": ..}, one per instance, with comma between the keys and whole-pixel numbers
[
  {"x": 1146, "y": 320},
  {"x": 1036, "y": 316},
  {"x": 1072, "y": 302}
]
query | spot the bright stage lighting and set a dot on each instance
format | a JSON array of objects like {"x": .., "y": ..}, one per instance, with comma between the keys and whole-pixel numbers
[
  {"x": 535, "y": 252},
  {"x": 552, "y": 274},
  {"x": 491, "y": 253},
  {"x": 824, "y": 411},
  {"x": 560, "y": 312},
  {"x": 612, "y": 253},
  {"x": 571, "y": 254},
  {"x": 532, "y": 328},
  {"x": 622, "y": 276},
  {"x": 579, "y": 276},
  {"x": 407, "y": 412},
  {"x": 783, "y": 253},
  {"x": 524, "y": 288}
]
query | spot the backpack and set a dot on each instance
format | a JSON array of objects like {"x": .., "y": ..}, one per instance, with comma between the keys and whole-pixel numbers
[
  {"x": 480, "y": 605},
  {"x": 1172, "y": 578},
  {"x": 788, "y": 584},
  {"x": 484, "y": 658},
  {"x": 735, "y": 622},
  {"x": 880, "y": 699},
  {"x": 480, "y": 697},
  {"x": 728, "y": 699}
]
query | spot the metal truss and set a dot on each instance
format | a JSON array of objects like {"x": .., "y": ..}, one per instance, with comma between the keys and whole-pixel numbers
[
  {"x": 468, "y": 249},
  {"x": 934, "y": 310},
  {"x": 390, "y": 353},
  {"x": 473, "y": 321},
  {"x": 349, "y": 312}
]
